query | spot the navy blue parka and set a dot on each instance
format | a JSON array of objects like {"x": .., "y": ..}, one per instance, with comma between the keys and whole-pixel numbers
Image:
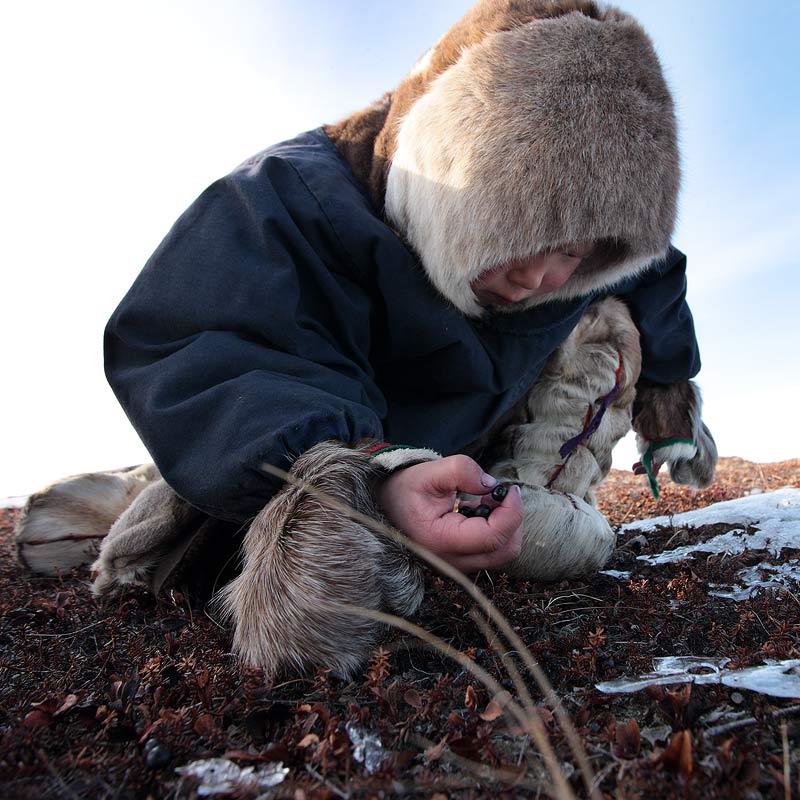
[{"x": 281, "y": 310}]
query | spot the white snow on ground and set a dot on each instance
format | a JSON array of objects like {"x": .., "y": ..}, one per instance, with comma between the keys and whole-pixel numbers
[
  {"x": 773, "y": 517},
  {"x": 13, "y": 502},
  {"x": 765, "y": 522},
  {"x": 620, "y": 574},
  {"x": 761, "y": 576}
]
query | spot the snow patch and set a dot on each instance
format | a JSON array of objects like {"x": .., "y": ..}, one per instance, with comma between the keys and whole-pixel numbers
[
  {"x": 761, "y": 576},
  {"x": 220, "y": 776},
  {"x": 619, "y": 574},
  {"x": 367, "y": 747},
  {"x": 769, "y": 521}
]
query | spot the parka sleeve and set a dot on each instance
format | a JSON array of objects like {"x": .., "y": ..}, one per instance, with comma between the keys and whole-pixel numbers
[
  {"x": 244, "y": 340},
  {"x": 657, "y": 302}
]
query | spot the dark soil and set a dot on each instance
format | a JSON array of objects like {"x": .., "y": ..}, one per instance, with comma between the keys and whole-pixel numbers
[{"x": 85, "y": 685}]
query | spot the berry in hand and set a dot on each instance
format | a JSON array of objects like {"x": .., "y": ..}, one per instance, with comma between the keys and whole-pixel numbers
[
  {"x": 467, "y": 511},
  {"x": 499, "y": 493},
  {"x": 483, "y": 511}
]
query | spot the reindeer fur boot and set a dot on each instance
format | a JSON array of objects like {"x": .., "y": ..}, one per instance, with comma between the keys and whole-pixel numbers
[
  {"x": 62, "y": 526},
  {"x": 147, "y": 541},
  {"x": 304, "y": 562}
]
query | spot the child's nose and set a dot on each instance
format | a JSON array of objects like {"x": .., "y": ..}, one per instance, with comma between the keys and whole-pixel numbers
[{"x": 529, "y": 277}]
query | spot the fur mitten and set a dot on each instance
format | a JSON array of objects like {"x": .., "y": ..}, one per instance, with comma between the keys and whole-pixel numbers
[
  {"x": 563, "y": 537},
  {"x": 304, "y": 561},
  {"x": 670, "y": 429},
  {"x": 578, "y": 409},
  {"x": 558, "y": 447}
]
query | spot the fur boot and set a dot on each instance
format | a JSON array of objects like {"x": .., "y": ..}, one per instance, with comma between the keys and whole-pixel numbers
[
  {"x": 303, "y": 561},
  {"x": 152, "y": 533},
  {"x": 63, "y": 525}
]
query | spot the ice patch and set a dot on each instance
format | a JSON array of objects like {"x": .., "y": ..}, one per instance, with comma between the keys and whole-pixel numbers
[
  {"x": 761, "y": 576},
  {"x": 616, "y": 573},
  {"x": 775, "y": 516},
  {"x": 775, "y": 678},
  {"x": 367, "y": 747},
  {"x": 219, "y": 776}
]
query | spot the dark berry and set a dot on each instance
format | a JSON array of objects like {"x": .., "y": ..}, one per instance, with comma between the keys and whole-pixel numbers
[
  {"x": 467, "y": 511},
  {"x": 158, "y": 757},
  {"x": 499, "y": 493},
  {"x": 150, "y": 744},
  {"x": 483, "y": 511}
]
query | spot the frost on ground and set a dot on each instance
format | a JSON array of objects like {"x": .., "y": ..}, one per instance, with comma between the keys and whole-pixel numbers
[{"x": 220, "y": 776}]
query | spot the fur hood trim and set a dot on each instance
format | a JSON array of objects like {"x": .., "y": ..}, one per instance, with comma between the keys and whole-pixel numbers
[{"x": 531, "y": 125}]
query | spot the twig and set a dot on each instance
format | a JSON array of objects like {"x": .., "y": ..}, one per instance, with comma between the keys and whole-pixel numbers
[
  {"x": 530, "y": 723},
  {"x": 66, "y": 635},
  {"x": 325, "y": 782},
  {"x": 483, "y": 772},
  {"x": 746, "y": 723},
  {"x": 491, "y": 611},
  {"x": 625, "y": 515},
  {"x": 763, "y": 477},
  {"x": 508, "y": 663},
  {"x": 790, "y": 593}
]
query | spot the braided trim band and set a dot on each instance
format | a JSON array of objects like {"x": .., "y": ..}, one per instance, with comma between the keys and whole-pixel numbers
[{"x": 391, "y": 457}]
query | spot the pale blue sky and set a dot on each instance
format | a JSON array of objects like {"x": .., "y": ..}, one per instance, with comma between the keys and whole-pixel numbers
[{"x": 117, "y": 117}]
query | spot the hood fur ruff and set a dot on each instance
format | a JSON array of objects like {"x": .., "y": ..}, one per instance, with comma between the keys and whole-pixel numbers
[{"x": 531, "y": 125}]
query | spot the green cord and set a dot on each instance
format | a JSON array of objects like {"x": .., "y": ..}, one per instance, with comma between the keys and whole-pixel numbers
[{"x": 647, "y": 459}]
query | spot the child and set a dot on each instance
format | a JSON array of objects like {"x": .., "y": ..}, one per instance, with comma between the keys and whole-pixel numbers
[{"x": 407, "y": 284}]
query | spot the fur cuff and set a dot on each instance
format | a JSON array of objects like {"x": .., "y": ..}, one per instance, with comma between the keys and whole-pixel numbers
[
  {"x": 391, "y": 457},
  {"x": 305, "y": 562},
  {"x": 668, "y": 450},
  {"x": 150, "y": 537}
]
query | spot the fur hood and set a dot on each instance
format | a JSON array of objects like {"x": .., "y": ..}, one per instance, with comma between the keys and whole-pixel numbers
[{"x": 532, "y": 124}]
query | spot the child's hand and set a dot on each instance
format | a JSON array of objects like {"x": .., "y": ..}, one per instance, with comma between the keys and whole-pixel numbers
[{"x": 419, "y": 501}]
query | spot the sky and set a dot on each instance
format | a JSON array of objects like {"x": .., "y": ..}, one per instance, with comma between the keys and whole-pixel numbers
[{"x": 118, "y": 115}]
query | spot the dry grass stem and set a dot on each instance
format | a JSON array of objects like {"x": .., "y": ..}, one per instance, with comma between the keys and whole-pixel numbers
[
  {"x": 529, "y": 723},
  {"x": 483, "y": 772}
]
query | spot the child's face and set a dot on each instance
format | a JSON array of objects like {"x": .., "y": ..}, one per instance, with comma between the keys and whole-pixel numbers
[{"x": 533, "y": 276}]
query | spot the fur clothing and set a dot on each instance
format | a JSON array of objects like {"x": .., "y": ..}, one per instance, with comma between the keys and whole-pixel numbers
[
  {"x": 323, "y": 325},
  {"x": 314, "y": 311}
]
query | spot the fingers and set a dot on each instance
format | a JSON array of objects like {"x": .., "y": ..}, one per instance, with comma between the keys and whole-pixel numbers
[
  {"x": 493, "y": 560},
  {"x": 655, "y": 465},
  {"x": 459, "y": 473},
  {"x": 478, "y": 536}
]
